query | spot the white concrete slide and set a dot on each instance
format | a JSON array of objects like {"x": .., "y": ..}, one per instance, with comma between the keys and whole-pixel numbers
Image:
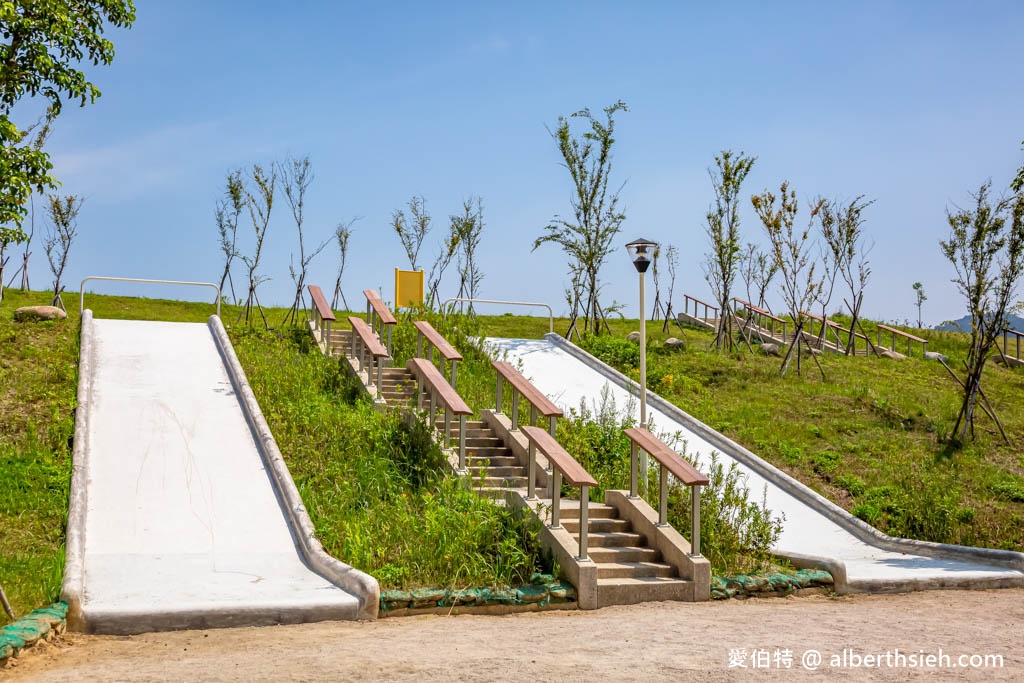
[
  {"x": 816, "y": 532},
  {"x": 182, "y": 513}
]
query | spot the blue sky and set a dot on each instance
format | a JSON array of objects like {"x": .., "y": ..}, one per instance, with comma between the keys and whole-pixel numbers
[{"x": 912, "y": 104}]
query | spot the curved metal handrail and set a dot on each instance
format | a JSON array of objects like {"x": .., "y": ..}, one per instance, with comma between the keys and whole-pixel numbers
[
  {"x": 81, "y": 290},
  {"x": 551, "y": 315}
]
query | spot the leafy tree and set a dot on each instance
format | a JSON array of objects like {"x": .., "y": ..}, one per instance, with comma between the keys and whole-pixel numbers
[
  {"x": 1018, "y": 183},
  {"x": 259, "y": 190},
  {"x": 342, "y": 234},
  {"x": 63, "y": 212},
  {"x": 412, "y": 232},
  {"x": 45, "y": 41},
  {"x": 296, "y": 177},
  {"x": 587, "y": 237},
  {"x": 919, "y": 298},
  {"x": 449, "y": 248},
  {"x": 790, "y": 251},
  {"x": 229, "y": 209},
  {"x": 847, "y": 253},
  {"x": 723, "y": 230},
  {"x": 987, "y": 254},
  {"x": 469, "y": 225}
]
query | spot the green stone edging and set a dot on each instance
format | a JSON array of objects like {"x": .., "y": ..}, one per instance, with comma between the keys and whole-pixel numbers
[
  {"x": 768, "y": 585},
  {"x": 542, "y": 590},
  {"x": 41, "y": 624}
]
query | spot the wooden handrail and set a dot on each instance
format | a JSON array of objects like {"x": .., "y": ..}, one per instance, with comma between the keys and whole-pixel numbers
[
  {"x": 901, "y": 333},
  {"x": 429, "y": 378},
  {"x": 377, "y": 314},
  {"x": 320, "y": 303},
  {"x": 380, "y": 309},
  {"x": 671, "y": 462},
  {"x": 425, "y": 330},
  {"x": 367, "y": 343},
  {"x": 1006, "y": 341},
  {"x": 562, "y": 464},
  {"x": 539, "y": 403},
  {"x": 321, "y": 316},
  {"x": 699, "y": 301},
  {"x": 757, "y": 309}
]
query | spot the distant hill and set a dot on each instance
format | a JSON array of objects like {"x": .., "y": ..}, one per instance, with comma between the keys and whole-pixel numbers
[{"x": 964, "y": 324}]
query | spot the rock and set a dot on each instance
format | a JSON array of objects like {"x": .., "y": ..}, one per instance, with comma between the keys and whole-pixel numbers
[
  {"x": 674, "y": 343},
  {"x": 770, "y": 349},
  {"x": 26, "y": 313},
  {"x": 531, "y": 594},
  {"x": 935, "y": 355},
  {"x": 892, "y": 355},
  {"x": 634, "y": 336}
]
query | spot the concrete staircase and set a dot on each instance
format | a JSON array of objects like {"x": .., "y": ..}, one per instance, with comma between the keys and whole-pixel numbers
[{"x": 493, "y": 467}]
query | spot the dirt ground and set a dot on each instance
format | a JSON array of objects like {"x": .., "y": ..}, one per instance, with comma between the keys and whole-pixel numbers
[{"x": 655, "y": 641}]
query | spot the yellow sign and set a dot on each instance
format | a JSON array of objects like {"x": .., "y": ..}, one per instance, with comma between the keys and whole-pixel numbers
[{"x": 408, "y": 288}]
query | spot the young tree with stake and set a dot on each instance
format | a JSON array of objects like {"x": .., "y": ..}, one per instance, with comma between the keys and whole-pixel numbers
[
  {"x": 63, "y": 212},
  {"x": 296, "y": 177},
  {"x": 587, "y": 238},
  {"x": 919, "y": 299},
  {"x": 259, "y": 199},
  {"x": 229, "y": 209},
  {"x": 342, "y": 234}
]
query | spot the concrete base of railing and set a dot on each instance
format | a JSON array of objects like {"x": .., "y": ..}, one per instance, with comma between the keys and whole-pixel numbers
[
  {"x": 675, "y": 550},
  {"x": 564, "y": 548}
]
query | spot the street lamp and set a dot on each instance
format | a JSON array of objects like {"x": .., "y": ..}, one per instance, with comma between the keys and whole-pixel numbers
[{"x": 642, "y": 251}]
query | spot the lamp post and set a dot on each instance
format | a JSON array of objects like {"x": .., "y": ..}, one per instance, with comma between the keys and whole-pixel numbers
[{"x": 641, "y": 250}]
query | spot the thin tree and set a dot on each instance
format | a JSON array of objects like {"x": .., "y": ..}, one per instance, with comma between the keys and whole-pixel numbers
[
  {"x": 63, "y": 213},
  {"x": 790, "y": 250},
  {"x": 657, "y": 309},
  {"x": 723, "y": 231},
  {"x": 342, "y": 234},
  {"x": 671, "y": 265},
  {"x": 413, "y": 230},
  {"x": 260, "y": 188},
  {"x": 228, "y": 211},
  {"x": 842, "y": 228},
  {"x": 587, "y": 237},
  {"x": 14, "y": 234},
  {"x": 987, "y": 254},
  {"x": 919, "y": 298},
  {"x": 763, "y": 271},
  {"x": 470, "y": 226},
  {"x": 449, "y": 247},
  {"x": 296, "y": 176}
]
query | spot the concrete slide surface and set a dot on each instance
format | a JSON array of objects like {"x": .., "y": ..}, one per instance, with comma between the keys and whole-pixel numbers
[
  {"x": 182, "y": 527},
  {"x": 568, "y": 376}
]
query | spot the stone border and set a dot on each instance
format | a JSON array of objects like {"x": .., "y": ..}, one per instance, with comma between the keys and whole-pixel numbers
[
  {"x": 42, "y": 624},
  {"x": 547, "y": 593},
  {"x": 73, "y": 585},
  {"x": 360, "y": 584},
  {"x": 861, "y": 530}
]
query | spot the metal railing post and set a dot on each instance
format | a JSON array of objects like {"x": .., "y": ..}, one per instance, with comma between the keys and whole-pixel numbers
[
  {"x": 390, "y": 352},
  {"x": 533, "y": 414},
  {"x": 462, "y": 443},
  {"x": 695, "y": 521},
  {"x": 556, "y": 495},
  {"x": 632, "y": 469},
  {"x": 327, "y": 343},
  {"x": 663, "y": 497},
  {"x": 419, "y": 393},
  {"x": 419, "y": 345},
  {"x": 584, "y": 521},
  {"x": 447, "y": 426},
  {"x": 515, "y": 408},
  {"x": 497, "y": 395},
  {"x": 453, "y": 372},
  {"x": 531, "y": 485},
  {"x": 380, "y": 377},
  {"x": 551, "y": 425}
]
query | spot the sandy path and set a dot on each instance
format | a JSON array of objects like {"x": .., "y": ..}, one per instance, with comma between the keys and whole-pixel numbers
[{"x": 642, "y": 642}]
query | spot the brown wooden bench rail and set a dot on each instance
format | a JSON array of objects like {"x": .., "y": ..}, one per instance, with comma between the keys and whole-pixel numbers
[
  {"x": 836, "y": 329},
  {"x": 366, "y": 346},
  {"x": 697, "y": 302},
  {"x": 377, "y": 314},
  {"x": 430, "y": 381},
  {"x": 322, "y": 317},
  {"x": 900, "y": 333},
  {"x": 426, "y": 331},
  {"x": 562, "y": 465},
  {"x": 539, "y": 403},
  {"x": 1006, "y": 338},
  {"x": 671, "y": 463}
]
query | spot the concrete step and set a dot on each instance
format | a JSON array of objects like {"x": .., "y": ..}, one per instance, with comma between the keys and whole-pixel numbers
[
  {"x": 619, "y": 570},
  {"x": 486, "y": 451},
  {"x": 481, "y": 441},
  {"x": 516, "y": 471},
  {"x": 498, "y": 482},
  {"x": 621, "y": 554},
  {"x": 570, "y": 509},
  {"x": 492, "y": 461},
  {"x": 616, "y": 539},
  {"x": 471, "y": 426},
  {"x": 631, "y": 591},
  {"x": 605, "y": 524}
]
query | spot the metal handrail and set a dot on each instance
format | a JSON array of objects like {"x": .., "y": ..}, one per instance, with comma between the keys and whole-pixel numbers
[
  {"x": 81, "y": 290},
  {"x": 551, "y": 315}
]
